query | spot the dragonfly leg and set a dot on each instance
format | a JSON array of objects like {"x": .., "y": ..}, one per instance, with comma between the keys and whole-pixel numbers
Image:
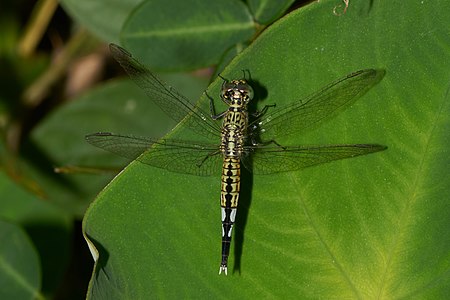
[
  {"x": 200, "y": 163},
  {"x": 257, "y": 114},
  {"x": 244, "y": 75},
  {"x": 255, "y": 143},
  {"x": 212, "y": 109}
]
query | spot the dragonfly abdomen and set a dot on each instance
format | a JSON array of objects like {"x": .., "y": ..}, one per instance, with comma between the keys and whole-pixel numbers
[{"x": 229, "y": 197}]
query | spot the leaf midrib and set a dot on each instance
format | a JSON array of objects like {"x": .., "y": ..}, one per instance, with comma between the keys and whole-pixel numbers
[
  {"x": 186, "y": 30},
  {"x": 406, "y": 214},
  {"x": 315, "y": 229}
]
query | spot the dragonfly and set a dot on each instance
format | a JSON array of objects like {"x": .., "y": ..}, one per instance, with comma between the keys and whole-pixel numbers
[{"x": 238, "y": 140}]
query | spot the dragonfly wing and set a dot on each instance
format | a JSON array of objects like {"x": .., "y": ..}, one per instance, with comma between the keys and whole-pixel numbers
[
  {"x": 178, "y": 156},
  {"x": 276, "y": 159},
  {"x": 307, "y": 114},
  {"x": 175, "y": 105}
]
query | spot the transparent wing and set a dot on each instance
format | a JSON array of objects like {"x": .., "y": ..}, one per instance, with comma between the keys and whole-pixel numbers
[
  {"x": 174, "y": 155},
  {"x": 312, "y": 111},
  {"x": 268, "y": 160},
  {"x": 175, "y": 105}
]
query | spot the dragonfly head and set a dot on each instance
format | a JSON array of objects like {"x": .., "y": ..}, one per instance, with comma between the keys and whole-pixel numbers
[{"x": 237, "y": 91}]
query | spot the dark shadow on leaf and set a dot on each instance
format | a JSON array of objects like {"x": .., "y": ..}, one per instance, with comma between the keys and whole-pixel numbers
[
  {"x": 103, "y": 256},
  {"x": 245, "y": 200},
  {"x": 260, "y": 93}
]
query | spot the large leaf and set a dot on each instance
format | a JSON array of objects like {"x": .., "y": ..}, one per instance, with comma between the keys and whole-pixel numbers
[{"x": 369, "y": 227}]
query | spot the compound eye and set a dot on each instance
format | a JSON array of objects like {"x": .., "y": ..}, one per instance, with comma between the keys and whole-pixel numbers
[
  {"x": 226, "y": 89},
  {"x": 245, "y": 89},
  {"x": 225, "y": 93}
]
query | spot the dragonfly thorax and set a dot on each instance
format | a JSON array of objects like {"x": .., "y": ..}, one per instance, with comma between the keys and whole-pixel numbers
[{"x": 237, "y": 92}]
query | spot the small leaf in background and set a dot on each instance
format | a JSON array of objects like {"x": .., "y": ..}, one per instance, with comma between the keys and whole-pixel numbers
[
  {"x": 20, "y": 276},
  {"x": 266, "y": 12},
  {"x": 186, "y": 34},
  {"x": 103, "y": 18},
  {"x": 46, "y": 226}
]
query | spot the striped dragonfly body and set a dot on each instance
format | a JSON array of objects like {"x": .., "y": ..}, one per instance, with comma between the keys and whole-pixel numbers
[
  {"x": 238, "y": 141},
  {"x": 236, "y": 94}
]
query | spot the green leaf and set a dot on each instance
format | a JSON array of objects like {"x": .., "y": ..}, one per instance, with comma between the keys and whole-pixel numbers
[
  {"x": 266, "y": 11},
  {"x": 46, "y": 225},
  {"x": 371, "y": 227},
  {"x": 104, "y": 18},
  {"x": 19, "y": 264},
  {"x": 186, "y": 34}
]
